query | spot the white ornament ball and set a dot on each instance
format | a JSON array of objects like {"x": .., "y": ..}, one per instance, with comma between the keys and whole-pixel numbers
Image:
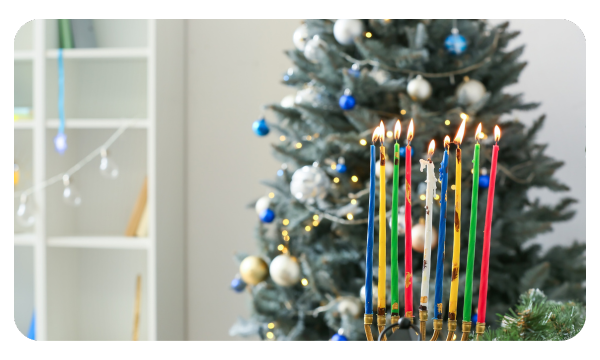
[
  {"x": 314, "y": 48},
  {"x": 419, "y": 89},
  {"x": 389, "y": 170},
  {"x": 262, "y": 204},
  {"x": 362, "y": 294},
  {"x": 418, "y": 237},
  {"x": 349, "y": 306},
  {"x": 470, "y": 92},
  {"x": 285, "y": 270},
  {"x": 288, "y": 101},
  {"x": 300, "y": 37},
  {"x": 345, "y": 30},
  {"x": 309, "y": 183}
]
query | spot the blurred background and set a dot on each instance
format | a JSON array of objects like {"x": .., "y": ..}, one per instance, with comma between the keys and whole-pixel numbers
[{"x": 186, "y": 92}]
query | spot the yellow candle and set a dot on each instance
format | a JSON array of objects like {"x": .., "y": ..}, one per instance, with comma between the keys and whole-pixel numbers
[
  {"x": 382, "y": 226},
  {"x": 456, "y": 251}
]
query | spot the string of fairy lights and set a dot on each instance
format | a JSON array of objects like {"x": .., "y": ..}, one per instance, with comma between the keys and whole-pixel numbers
[{"x": 108, "y": 168}]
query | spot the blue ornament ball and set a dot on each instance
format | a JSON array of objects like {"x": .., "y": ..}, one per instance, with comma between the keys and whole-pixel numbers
[
  {"x": 267, "y": 216},
  {"x": 347, "y": 102},
  {"x": 484, "y": 181},
  {"x": 354, "y": 73},
  {"x": 279, "y": 172},
  {"x": 341, "y": 168},
  {"x": 339, "y": 337},
  {"x": 474, "y": 318},
  {"x": 238, "y": 285},
  {"x": 456, "y": 44},
  {"x": 403, "y": 151},
  {"x": 260, "y": 127}
]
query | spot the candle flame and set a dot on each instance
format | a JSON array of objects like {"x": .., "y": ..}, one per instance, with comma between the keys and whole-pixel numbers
[
  {"x": 447, "y": 141},
  {"x": 382, "y": 131},
  {"x": 477, "y": 132},
  {"x": 397, "y": 130},
  {"x": 431, "y": 148},
  {"x": 461, "y": 132},
  {"x": 497, "y": 133},
  {"x": 375, "y": 135},
  {"x": 411, "y": 131}
]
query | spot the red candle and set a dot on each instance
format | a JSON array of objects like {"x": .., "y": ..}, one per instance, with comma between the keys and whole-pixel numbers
[
  {"x": 408, "y": 268},
  {"x": 487, "y": 234}
]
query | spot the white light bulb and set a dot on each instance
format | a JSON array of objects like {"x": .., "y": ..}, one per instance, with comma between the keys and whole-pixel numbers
[
  {"x": 71, "y": 195},
  {"x": 108, "y": 167},
  {"x": 25, "y": 216}
]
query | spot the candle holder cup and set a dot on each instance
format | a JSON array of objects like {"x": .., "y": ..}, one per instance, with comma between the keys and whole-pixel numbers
[
  {"x": 423, "y": 319},
  {"x": 479, "y": 329},
  {"x": 466, "y": 330},
  {"x": 381, "y": 321},
  {"x": 394, "y": 320},
  {"x": 437, "y": 329},
  {"x": 451, "y": 330},
  {"x": 368, "y": 322}
]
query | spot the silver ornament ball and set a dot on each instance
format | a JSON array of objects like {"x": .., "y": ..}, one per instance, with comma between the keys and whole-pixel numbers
[
  {"x": 362, "y": 294},
  {"x": 300, "y": 37},
  {"x": 309, "y": 183},
  {"x": 285, "y": 270},
  {"x": 306, "y": 96},
  {"x": 350, "y": 306},
  {"x": 345, "y": 30},
  {"x": 419, "y": 89},
  {"x": 314, "y": 48},
  {"x": 470, "y": 91}
]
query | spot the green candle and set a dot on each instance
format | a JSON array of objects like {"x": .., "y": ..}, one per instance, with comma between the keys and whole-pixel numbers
[
  {"x": 394, "y": 259},
  {"x": 472, "y": 233}
]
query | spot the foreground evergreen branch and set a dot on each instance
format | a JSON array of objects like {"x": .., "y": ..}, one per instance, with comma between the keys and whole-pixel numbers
[{"x": 536, "y": 318}]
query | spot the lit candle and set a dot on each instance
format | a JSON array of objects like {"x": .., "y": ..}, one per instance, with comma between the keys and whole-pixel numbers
[
  {"x": 472, "y": 238},
  {"x": 394, "y": 238},
  {"x": 439, "y": 272},
  {"x": 408, "y": 268},
  {"x": 431, "y": 188},
  {"x": 371, "y": 220},
  {"x": 487, "y": 233},
  {"x": 382, "y": 239},
  {"x": 456, "y": 250}
]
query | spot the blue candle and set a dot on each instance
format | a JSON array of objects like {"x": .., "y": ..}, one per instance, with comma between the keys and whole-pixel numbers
[
  {"x": 370, "y": 237},
  {"x": 439, "y": 272}
]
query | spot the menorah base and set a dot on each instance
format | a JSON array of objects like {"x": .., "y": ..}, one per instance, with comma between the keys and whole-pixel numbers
[
  {"x": 381, "y": 325},
  {"x": 437, "y": 329}
]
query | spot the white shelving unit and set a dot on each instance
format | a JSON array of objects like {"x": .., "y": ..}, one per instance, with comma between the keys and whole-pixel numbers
[{"x": 74, "y": 267}]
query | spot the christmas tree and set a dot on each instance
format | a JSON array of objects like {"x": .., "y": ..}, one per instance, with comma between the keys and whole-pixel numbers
[{"x": 349, "y": 76}]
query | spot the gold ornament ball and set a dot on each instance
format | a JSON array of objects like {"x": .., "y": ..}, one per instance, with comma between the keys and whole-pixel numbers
[
  {"x": 418, "y": 237},
  {"x": 253, "y": 270}
]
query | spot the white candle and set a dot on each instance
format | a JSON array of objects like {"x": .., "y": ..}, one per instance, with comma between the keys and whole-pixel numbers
[{"x": 431, "y": 188}]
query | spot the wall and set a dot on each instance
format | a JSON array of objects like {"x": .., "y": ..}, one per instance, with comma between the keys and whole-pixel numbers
[{"x": 235, "y": 66}]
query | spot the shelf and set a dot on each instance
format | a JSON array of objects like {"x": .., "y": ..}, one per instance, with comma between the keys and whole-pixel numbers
[
  {"x": 97, "y": 123},
  {"x": 24, "y": 124},
  {"x": 25, "y": 239},
  {"x": 100, "y": 53},
  {"x": 23, "y": 55},
  {"x": 100, "y": 242}
]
